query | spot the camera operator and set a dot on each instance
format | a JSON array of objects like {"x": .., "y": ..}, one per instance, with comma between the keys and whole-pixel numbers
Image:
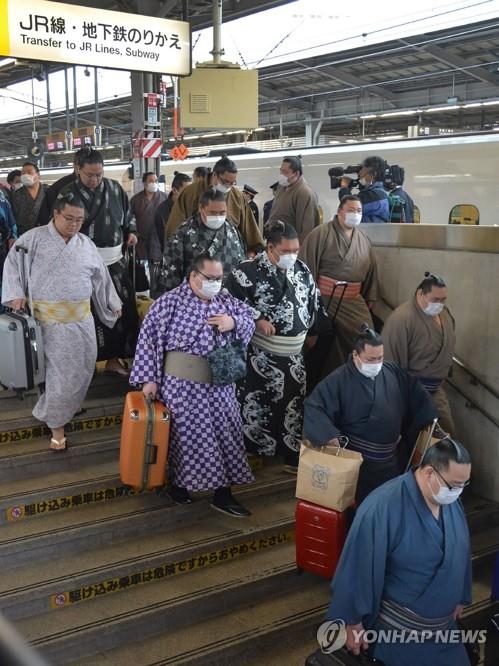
[
  {"x": 372, "y": 195},
  {"x": 401, "y": 204}
]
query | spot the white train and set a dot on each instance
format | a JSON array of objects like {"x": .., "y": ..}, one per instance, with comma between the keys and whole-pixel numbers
[{"x": 440, "y": 173}]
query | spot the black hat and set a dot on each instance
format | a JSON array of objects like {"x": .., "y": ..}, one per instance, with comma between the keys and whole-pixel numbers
[
  {"x": 274, "y": 185},
  {"x": 249, "y": 190}
]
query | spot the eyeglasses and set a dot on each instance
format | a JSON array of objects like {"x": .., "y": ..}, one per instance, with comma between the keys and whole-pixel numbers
[
  {"x": 458, "y": 487},
  {"x": 227, "y": 183},
  {"x": 73, "y": 220},
  {"x": 210, "y": 278},
  {"x": 92, "y": 176}
]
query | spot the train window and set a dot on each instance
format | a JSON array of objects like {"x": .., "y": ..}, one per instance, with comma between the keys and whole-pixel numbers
[
  {"x": 464, "y": 214},
  {"x": 417, "y": 215}
]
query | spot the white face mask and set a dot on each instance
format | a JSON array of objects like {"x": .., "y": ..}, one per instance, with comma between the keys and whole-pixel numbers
[
  {"x": 363, "y": 182},
  {"x": 224, "y": 189},
  {"x": 352, "y": 219},
  {"x": 444, "y": 495},
  {"x": 211, "y": 289},
  {"x": 433, "y": 309},
  {"x": 287, "y": 261},
  {"x": 215, "y": 221},
  {"x": 370, "y": 370},
  {"x": 283, "y": 180},
  {"x": 27, "y": 179},
  {"x": 152, "y": 187},
  {"x": 17, "y": 186}
]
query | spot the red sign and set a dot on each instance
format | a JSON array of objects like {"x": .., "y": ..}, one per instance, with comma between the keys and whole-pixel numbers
[
  {"x": 152, "y": 100},
  {"x": 179, "y": 152}
]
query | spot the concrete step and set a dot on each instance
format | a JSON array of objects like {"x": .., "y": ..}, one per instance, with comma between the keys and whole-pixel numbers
[
  {"x": 232, "y": 637},
  {"x": 64, "y": 582},
  {"x": 103, "y": 407},
  {"x": 32, "y": 458},
  {"x": 68, "y": 489},
  {"x": 99, "y": 523}
]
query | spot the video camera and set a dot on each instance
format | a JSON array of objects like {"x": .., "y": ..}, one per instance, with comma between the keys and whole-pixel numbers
[
  {"x": 392, "y": 174},
  {"x": 337, "y": 173}
]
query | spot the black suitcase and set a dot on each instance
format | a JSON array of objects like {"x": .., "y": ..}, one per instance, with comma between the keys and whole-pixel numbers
[
  {"x": 22, "y": 363},
  {"x": 341, "y": 658},
  {"x": 325, "y": 328}
]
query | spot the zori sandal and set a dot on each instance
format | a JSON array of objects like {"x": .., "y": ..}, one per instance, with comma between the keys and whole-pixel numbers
[{"x": 59, "y": 445}]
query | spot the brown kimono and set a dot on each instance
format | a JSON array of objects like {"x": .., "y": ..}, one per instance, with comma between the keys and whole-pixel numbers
[
  {"x": 423, "y": 347},
  {"x": 296, "y": 205},
  {"x": 330, "y": 254},
  {"x": 237, "y": 212}
]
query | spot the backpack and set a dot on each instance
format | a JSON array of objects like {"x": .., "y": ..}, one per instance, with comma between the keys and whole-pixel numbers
[{"x": 397, "y": 207}]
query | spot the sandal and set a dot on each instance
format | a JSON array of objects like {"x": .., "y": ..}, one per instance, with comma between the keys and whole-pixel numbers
[
  {"x": 58, "y": 445},
  {"x": 121, "y": 369}
]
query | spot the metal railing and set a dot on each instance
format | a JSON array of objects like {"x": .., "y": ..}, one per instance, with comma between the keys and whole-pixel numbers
[{"x": 14, "y": 651}]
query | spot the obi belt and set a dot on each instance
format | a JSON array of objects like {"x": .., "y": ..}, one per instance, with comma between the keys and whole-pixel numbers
[
  {"x": 61, "y": 312},
  {"x": 372, "y": 451},
  {"x": 431, "y": 384},
  {"x": 398, "y": 617},
  {"x": 326, "y": 286},
  {"x": 281, "y": 345}
]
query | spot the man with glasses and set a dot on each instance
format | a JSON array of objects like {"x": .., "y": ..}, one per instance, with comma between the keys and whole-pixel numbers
[
  {"x": 179, "y": 332},
  {"x": 284, "y": 300},
  {"x": 108, "y": 224},
  {"x": 66, "y": 271},
  {"x": 420, "y": 336},
  {"x": 406, "y": 564},
  {"x": 206, "y": 231},
  {"x": 223, "y": 178}
]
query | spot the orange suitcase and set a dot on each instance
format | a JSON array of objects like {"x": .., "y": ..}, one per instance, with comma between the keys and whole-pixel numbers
[{"x": 145, "y": 433}]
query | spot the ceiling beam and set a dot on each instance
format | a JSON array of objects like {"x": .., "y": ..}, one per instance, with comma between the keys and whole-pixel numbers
[
  {"x": 478, "y": 72},
  {"x": 271, "y": 94}
]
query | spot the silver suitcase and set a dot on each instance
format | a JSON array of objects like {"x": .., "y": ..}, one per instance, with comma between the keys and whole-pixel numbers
[{"x": 22, "y": 363}]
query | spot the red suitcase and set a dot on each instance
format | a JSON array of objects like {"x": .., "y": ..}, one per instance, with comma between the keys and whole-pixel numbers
[{"x": 320, "y": 535}]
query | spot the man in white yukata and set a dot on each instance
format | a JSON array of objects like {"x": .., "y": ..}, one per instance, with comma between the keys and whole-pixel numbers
[
  {"x": 66, "y": 271},
  {"x": 406, "y": 564}
]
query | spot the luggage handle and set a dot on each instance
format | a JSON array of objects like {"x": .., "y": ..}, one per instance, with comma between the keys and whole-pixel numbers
[
  {"x": 25, "y": 275},
  {"x": 151, "y": 454}
]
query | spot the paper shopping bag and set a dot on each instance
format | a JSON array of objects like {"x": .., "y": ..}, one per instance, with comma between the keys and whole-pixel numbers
[{"x": 328, "y": 475}]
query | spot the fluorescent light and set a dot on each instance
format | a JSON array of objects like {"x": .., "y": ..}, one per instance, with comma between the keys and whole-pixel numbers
[
  {"x": 473, "y": 105},
  {"x": 392, "y": 136},
  {"x": 442, "y": 108},
  {"x": 259, "y": 129},
  {"x": 7, "y": 61},
  {"x": 388, "y": 114},
  {"x": 369, "y": 116},
  {"x": 491, "y": 103},
  {"x": 334, "y": 143}
]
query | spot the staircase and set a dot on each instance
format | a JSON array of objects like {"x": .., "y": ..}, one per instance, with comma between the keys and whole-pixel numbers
[{"x": 96, "y": 575}]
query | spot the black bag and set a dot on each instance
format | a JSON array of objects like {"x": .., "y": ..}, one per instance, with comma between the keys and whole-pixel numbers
[
  {"x": 472, "y": 649},
  {"x": 228, "y": 363},
  {"x": 341, "y": 658},
  {"x": 325, "y": 329}
]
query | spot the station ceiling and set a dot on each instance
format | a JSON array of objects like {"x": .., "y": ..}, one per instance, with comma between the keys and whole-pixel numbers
[{"x": 375, "y": 90}]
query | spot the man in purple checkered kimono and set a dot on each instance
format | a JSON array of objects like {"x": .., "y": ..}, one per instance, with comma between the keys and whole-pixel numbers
[{"x": 206, "y": 439}]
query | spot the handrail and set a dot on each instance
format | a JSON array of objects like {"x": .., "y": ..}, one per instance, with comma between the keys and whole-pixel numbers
[
  {"x": 461, "y": 364},
  {"x": 475, "y": 377},
  {"x": 472, "y": 404}
]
